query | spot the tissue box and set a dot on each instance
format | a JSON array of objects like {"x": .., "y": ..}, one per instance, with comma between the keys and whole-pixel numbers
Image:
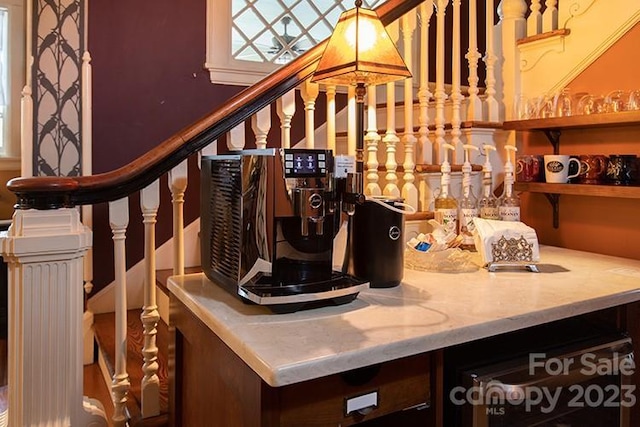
[{"x": 507, "y": 242}]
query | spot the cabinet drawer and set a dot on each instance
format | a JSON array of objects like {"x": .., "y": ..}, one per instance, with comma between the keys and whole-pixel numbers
[{"x": 382, "y": 389}]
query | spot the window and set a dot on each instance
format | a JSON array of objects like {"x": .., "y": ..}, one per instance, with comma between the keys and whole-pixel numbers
[
  {"x": 247, "y": 39},
  {"x": 12, "y": 79}
]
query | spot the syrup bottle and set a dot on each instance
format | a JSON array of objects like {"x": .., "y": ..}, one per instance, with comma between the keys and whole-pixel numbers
[
  {"x": 488, "y": 203},
  {"x": 446, "y": 206},
  {"x": 468, "y": 204},
  {"x": 509, "y": 202}
]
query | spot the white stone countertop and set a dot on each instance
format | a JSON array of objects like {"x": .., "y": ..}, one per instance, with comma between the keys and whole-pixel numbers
[{"x": 427, "y": 311}]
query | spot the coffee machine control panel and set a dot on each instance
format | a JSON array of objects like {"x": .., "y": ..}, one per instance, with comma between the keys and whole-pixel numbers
[
  {"x": 308, "y": 175},
  {"x": 306, "y": 163}
]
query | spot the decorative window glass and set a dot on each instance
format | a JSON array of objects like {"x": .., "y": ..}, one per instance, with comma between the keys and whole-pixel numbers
[
  {"x": 247, "y": 39},
  {"x": 4, "y": 78}
]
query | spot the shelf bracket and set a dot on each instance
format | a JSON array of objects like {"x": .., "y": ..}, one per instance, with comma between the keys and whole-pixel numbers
[
  {"x": 554, "y": 199},
  {"x": 554, "y": 138}
]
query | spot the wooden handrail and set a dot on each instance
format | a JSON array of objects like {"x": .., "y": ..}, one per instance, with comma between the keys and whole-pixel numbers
[{"x": 57, "y": 192}]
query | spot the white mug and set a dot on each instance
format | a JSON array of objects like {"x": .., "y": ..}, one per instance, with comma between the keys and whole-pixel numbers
[{"x": 556, "y": 168}]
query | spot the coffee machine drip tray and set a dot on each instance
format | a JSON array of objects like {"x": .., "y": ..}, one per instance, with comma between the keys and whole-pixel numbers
[{"x": 340, "y": 289}]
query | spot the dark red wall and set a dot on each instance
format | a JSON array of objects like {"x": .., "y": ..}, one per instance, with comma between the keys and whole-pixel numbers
[{"x": 148, "y": 83}]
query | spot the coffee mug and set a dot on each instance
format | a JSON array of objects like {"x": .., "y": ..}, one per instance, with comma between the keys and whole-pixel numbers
[
  {"x": 622, "y": 169},
  {"x": 556, "y": 168},
  {"x": 529, "y": 168},
  {"x": 593, "y": 168}
]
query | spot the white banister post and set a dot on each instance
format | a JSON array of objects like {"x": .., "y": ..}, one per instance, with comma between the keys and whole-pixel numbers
[
  {"x": 44, "y": 252},
  {"x": 177, "y": 186},
  {"x": 351, "y": 121},
  {"x": 150, "y": 387},
  {"x": 26, "y": 103},
  {"x": 372, "y": 139},
  {"x": 513, "y": 27},
  {"x": 409, "y": 189},
  {"x": 261, "y": 124},
  {"x": 534, "y": 21},
  {"x": 309, "y": 92},
  {"x": 550, "y": 16},
  {"x": 331, "y": 117},
  {"x": 236, "y": 138},
  {"x": 456, "y": 91},
  {"x": 425, "y": 150},
  {"x": 490, "y": 59},
  {"x": 390, "y": 138},
  {"x": 286, "y": 108},
  {"x": 474, "y": 104},
  {"x": 440, "y": 94},
  {"x": 119, "y": 220}
]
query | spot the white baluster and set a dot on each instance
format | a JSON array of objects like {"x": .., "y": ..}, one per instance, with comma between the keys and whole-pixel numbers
[
  {"x": 424, "y": 94},
  {"x": 44, "y": 251},
  {"x": 372, "y": 138},
  {"x": 456, "y": 92},
  {"x": 309, "y": 92},
  {"x": 550, "y": 16},
  {"x": 331, "y": 117},
  {"x": 492, "y": 106},
  {"x": 351, "y": 121},
  {"x": 150, "y": 388},
  {"x": 261, "y": 124},
  {"x": 474, "y": 103},
  {"x": 177, "y": 186},
  {"x": 391, "y": 138},
  {"x": 119, "y": 220},
  {"x": 286, "y": 108},
  {"x": 534, "y": 21},
  {"x": 26, "y": 102},
  {"x": 440, "y": 93},
  {"x": 236, "y": 138},
  {"x": 409, "y": 189}
]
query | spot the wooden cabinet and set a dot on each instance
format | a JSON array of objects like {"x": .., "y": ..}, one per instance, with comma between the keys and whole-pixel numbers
[
  {"x": 212, "y": 386},
  {"x": 553, "y": 128}
]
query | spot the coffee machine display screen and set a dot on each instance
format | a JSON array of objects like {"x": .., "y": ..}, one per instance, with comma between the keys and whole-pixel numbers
[{"x": 304, "y": 163}]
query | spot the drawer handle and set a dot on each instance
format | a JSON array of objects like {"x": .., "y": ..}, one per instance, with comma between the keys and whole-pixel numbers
[{"x": 363, "y": 404}]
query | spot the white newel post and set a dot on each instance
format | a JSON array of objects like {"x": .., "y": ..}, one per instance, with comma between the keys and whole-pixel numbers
[
  {"x": 44, "y": 252},
  {"x": 513, "y": 26}
]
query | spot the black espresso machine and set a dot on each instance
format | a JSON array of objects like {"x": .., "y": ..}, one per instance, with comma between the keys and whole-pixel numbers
[{"x": 269, "y": 219}]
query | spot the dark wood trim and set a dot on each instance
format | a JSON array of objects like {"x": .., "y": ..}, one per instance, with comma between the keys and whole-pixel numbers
[{"x": 57, "y": 192}]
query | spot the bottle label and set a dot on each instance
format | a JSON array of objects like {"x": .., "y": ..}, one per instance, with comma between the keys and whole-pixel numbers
[
  {"x": 489, "y": 212},
  {"x": 448, "y": 218},
  {"x": 510, "y": 213},
  {"x": 466, "y": 224}
]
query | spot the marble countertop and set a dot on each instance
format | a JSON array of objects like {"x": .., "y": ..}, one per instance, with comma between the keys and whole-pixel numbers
[{"x": 427, "y": 311}]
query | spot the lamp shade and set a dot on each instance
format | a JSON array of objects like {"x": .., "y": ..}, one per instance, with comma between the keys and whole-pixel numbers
[{"x": 360, "y": 51}]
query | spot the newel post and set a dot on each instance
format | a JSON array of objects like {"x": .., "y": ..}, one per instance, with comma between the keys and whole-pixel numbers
[
  {"x": 511, "y": 28},
  {"x": 44, "y": 250}
]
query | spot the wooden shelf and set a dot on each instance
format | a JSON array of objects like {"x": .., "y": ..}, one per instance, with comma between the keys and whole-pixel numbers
[
  {"x": 623, "y": 118},
  {"x": 621, "y": 191}
]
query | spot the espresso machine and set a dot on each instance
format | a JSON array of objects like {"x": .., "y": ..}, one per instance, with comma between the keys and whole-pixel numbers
[{"x": 269, "y": 220}]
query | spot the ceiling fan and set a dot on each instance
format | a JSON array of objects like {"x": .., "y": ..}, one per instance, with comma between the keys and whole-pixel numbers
[{"x": 287, "y": 47}]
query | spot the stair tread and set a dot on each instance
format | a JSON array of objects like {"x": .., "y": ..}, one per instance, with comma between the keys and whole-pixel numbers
[
  {"x": 162, "y": 276},
  {"x": 104, "y": 326}
]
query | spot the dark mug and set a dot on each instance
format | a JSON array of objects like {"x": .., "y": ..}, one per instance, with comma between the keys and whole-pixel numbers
[
  {"x": 622, "y": 169},
  {"x": 575, "y": 169},
  {"x": 530, "y": 168},
  {"x": 593, "y": 169}
]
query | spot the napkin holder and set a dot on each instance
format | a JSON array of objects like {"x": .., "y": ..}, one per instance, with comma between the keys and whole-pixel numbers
[{"x": 506, "y": 244}]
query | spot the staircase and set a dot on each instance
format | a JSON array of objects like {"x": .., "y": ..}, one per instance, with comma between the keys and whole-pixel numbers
[{"x": 405, "y": 156}]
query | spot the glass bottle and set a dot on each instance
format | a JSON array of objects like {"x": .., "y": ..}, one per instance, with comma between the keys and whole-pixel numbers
[
  {"x": 509, "y": 203},
  {"x": 446, "y": 206},
  {"x": 488, "y": 203},
  {"x": 468, "y": 204}
]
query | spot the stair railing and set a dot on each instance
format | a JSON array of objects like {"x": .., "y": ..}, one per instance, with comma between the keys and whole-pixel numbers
[{"x": 47, "y": 241}]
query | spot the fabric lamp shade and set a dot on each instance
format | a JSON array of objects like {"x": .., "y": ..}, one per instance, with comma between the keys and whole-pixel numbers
[{"x": 360, "y": 51}]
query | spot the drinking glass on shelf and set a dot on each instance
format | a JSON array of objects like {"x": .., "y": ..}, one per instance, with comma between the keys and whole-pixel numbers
[
  {"x": 616, "y": 101},
  {"x": 564, "y": 103},
  {"x": 547, "y": 107},
  {"x": 591, "y": 104},
  {"x": 633, "y": 101},
  {"x": 523, "y": 108}
]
